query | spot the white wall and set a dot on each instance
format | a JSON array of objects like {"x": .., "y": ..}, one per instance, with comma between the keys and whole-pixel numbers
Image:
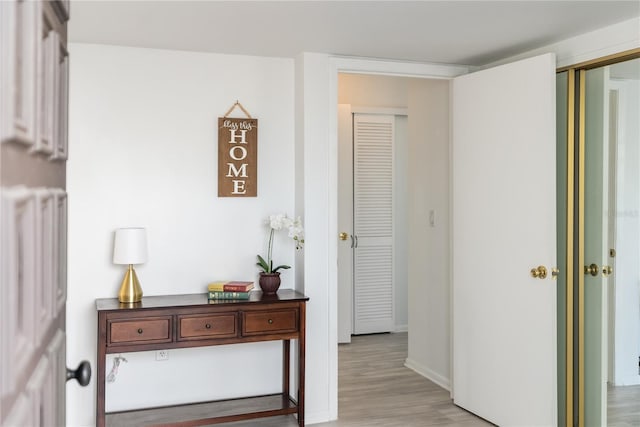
[
  {"x": 143, "y": 152},
  {"x": 429, "y": 248},
  {"x": 313, "y": 127},
  {"x": 370, "y": 91}
]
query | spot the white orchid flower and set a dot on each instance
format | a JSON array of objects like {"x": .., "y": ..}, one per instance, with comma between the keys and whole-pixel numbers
[
  {"x": 296, "y": 232},
  {"x": 277, "y": 221}
]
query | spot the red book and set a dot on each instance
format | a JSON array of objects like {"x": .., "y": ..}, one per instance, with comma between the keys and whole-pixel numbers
[
  {"x": 238, "y": 286},
  {"x": 232, "y": 286}
]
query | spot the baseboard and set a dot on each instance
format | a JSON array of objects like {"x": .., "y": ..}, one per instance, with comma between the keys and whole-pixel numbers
[
  {"x": 628, "y": 380},
  {"x": 432, "y": 376},
  {"x": 402, "y": 328}
]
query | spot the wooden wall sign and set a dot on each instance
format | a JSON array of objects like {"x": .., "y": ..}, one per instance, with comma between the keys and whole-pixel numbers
[{"x": 237, "y": 157}]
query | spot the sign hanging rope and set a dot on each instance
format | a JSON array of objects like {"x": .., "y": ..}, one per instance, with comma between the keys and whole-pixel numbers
[{"x": 237, "y": 104}]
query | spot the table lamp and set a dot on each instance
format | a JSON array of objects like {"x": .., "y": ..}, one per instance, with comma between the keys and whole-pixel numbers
[{"x": 129, "y": 248}]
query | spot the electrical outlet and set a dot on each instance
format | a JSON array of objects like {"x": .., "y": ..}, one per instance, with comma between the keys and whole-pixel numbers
[{"x": 162, "y": 355}]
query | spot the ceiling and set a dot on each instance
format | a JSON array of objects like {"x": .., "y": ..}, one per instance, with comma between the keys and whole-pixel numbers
[{"x": 455, "y": 32}]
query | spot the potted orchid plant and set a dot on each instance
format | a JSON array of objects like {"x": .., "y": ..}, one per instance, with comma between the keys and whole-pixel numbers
[{"x": 270, "y": 276}]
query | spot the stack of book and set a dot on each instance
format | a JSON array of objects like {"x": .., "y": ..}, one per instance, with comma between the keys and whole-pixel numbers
[{"x": 229, "y": 290}]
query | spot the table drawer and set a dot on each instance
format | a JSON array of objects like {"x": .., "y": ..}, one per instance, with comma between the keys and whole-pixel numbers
[
  {"x": 268, "y": 322},
  {"x": 195, "y": 327},
  {"x": 139, "y": 331}
]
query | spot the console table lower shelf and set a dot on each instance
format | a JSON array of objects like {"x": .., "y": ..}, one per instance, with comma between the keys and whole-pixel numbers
[
  {"x": 185, "y": 321},
  {"x": 198, "y": 414}
]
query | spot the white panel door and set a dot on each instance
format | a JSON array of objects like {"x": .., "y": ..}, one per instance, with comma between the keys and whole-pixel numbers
[
  {"x": 345, "y": 223},
  {"x": 373, "y": 223},
  {"x": 33, "y": 214},
  {"x": 504, "y": 224}
]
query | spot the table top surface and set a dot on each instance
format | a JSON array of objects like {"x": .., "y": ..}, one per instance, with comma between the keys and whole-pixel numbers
[{"x": 190, "y": 300}]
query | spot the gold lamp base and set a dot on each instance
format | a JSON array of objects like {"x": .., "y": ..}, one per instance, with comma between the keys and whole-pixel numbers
[{"x": 130, "y": 290}]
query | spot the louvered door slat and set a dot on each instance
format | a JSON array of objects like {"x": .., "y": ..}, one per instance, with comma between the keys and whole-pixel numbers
[{"x": 373, "y": 223}]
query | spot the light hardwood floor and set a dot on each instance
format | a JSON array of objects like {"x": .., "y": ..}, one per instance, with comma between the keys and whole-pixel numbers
[
  {"x": 623, "y": 406},
  {"x": 375, "y": 389}
]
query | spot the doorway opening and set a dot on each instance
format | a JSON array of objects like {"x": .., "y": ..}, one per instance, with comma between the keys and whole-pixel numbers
[{"x": 419, "y": 181}]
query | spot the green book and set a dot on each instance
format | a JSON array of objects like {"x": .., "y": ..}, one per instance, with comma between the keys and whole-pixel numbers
[{"x": 228, "y": 295}]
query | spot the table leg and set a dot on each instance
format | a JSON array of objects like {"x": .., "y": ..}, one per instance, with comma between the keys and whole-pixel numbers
[
  {"x": 301, "y": 364},
  {"x": 286, "y": 357}
]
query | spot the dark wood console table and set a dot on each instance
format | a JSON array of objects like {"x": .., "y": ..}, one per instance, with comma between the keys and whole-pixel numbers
[{"x": 181, "y": 321}]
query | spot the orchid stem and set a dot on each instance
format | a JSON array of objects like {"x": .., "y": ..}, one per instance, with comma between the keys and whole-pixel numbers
[{"x": 269, "y": 262}]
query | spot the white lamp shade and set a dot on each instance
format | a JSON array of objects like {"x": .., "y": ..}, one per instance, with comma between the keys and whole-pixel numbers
[{"x": 130, "y": 246}]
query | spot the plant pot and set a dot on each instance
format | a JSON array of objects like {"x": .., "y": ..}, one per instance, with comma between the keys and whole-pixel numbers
[{"x": 269, "y": 282}]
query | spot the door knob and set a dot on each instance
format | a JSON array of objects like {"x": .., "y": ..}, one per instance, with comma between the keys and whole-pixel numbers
[
  {"x": 591, "y": 269},
  {"x": 607, "y": 270},
  {"x": 82, "y": 374},
  {"x": 343, "y": 236},
  {"x": 539, "y": 273},
  {"x": 554, "y": 273}
]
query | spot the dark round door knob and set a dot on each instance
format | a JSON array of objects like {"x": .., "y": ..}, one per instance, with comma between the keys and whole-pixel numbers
[
  {"x": 208, "y": 326},
  {"x": 82, "y": 374}
]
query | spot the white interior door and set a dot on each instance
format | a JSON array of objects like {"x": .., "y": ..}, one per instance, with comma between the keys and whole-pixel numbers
[
  {"x": 33, "y": 214},
  {"x": 504, "y": 223},
  {"x": 373, "y": 297},
  {"x": 345, "y": 223}
]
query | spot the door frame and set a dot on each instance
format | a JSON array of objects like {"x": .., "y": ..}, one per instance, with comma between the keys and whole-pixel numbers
[
  {"x": 345, "y": 65},
  {"x": 346, "y": 281}
]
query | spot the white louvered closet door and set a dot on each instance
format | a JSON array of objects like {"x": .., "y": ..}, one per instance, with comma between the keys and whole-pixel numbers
[{"x": 373, "y": 223}]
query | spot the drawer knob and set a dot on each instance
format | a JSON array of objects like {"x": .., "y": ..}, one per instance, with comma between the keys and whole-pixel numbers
[
  {"x": 139, "y": 330},
  {"x": 270, "y": 321},
  {"x": 208, "y": 326}
]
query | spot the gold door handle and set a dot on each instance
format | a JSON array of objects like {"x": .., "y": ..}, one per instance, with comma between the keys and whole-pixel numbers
[
  {"x": 539, "y": 273},
  {"x": 607, "y": 270},
  {"x": 343, "y": 236},
  {"x": 555, "y": 272},
  {"x": 591, "y": 269}
]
